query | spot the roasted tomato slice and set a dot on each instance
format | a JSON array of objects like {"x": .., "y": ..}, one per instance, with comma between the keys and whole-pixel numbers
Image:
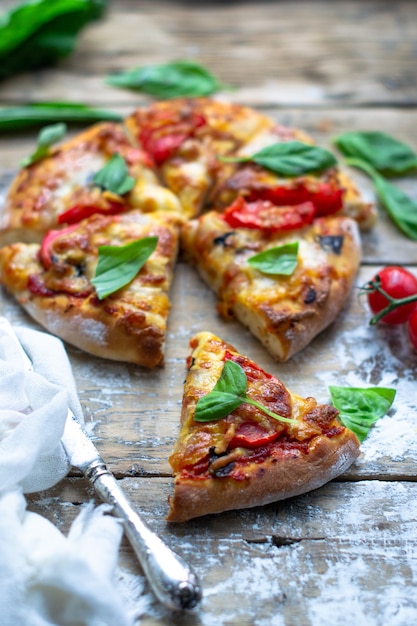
[
  {"x": 266, "y": 216},
  {"x": 163, "y": 136},
  {"x": 327, "y": 198},
  {"x": 79, "y": 212},
  {"x": 45, "y": 252},
  {"x": 252, "y": 435}
]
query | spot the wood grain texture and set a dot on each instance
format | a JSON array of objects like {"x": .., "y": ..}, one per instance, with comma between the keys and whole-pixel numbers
[{"x": 343, "y": 554}]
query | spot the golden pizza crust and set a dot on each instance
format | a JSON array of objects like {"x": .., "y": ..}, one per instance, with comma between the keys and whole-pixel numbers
[{"x": 273, "y": 480}]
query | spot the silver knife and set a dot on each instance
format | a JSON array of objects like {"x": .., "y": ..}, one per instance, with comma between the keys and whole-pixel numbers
[{"x": 169, "y": 576}]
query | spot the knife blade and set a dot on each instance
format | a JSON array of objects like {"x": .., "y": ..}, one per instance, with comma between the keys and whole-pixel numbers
[{"x": 170, "y": 577}]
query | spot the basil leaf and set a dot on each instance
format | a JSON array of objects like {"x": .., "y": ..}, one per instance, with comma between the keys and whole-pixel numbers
[
  {"x": 227, "y": 394},
  {"x": 114, "y": 176},
  {"x": 381, "y": 151},
  {"x": 38, "y": 113},
  {"x": 361, "y": 408},
  {"x": 118, "y": 265},
  {"x": 278, "y": 260},
  {"x": 171, "y": 80},
  {"x": 48, "y": 136},
  {"x": 290, "y": 158},
  {"x": 38, "y": 32},
  {"x": 400, "y": 207}
]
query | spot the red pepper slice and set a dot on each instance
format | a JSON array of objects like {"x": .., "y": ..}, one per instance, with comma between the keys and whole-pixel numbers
[
  {"x": 165, "y": 135},
  {"x": 327, "y": 198},
  {"x": 45, "y": 252},
  {"x": 79, "y": 212},
  {"x": 264, "y": 215},
  {"x": 252, "y": 435}
]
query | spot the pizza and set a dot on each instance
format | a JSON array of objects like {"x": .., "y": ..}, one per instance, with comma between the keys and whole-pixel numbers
[
  {"x": 248, "y": 457},
  {"x": 52, "y": 281},
  {"x": 178, "y": 158},
  {"x": 59, "y": 189},
  {"x": 284, "y": 312}
]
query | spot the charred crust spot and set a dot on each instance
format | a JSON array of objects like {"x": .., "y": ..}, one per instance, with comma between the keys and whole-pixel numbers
[{"x": 331, "y": 243}]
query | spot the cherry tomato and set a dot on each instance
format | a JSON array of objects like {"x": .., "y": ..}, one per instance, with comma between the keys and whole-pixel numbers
[
  {"x": 398, "y": 283},
  {"x": 412, "y": 328}
]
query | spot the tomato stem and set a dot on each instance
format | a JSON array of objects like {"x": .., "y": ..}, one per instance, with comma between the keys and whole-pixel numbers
[{"x": 393, "y": 303}]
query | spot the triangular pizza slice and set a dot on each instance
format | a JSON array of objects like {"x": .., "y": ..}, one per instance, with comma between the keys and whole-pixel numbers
[
  {"x": 56, "y": 283},
  {"x": 245, "y": 439},
  {"x": 286, "y": 286}
]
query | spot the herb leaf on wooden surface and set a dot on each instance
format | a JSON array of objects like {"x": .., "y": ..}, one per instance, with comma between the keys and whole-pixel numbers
[
  {"x": 39, "y": 32},
  {"x": 361, "y": 408},
  {"x": 183, "y": 78}
]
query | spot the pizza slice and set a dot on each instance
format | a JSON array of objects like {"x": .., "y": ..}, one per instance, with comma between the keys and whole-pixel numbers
[
  {"x": 245, "y": 439},
  {"x": 281, "y": 273},
  {"x": 330, "y": 190},
  {"x": 184, "y": 138},
  {"x": 56, "y": 283},
  {"x": 61, "y": 188}
]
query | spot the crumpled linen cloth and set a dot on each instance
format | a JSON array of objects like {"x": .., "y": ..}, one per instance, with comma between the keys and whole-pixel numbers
[{"x": 46, "y": 578}]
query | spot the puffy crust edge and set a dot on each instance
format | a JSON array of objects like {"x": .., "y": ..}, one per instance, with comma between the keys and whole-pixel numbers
[{"x": 290, "y": 475}]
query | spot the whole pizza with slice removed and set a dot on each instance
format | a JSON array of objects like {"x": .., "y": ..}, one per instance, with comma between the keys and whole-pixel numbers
[
  {"x": 270, "y": 445},
  {"x": 54, "y": 282},
  {"x": 183, "y": 165}
]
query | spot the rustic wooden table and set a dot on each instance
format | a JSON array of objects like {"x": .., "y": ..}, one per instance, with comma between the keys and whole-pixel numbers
[{"x": 346, "y": 553}]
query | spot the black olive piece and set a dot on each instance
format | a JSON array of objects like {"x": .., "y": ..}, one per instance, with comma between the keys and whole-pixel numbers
[
  {"x": 331, "y": 243},
  {"x": 222, "y": 239}
]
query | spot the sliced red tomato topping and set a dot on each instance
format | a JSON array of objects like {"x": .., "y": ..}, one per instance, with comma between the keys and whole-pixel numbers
[
  {"x": 251, "y": 369},
  {"x": 79, "y": 212},
  {"x": 327, "y": 198},
  {"x": 252, "y": 435},
  {"x": 45, "y": 252},
  {"x": 266, "y": 216},
  {"x": 162, "y": 138}
]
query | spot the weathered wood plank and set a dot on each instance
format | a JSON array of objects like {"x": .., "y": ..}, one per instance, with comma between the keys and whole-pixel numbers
[
  {"x": 312, "y": 53},
  {"x": 342, "y": 554}
]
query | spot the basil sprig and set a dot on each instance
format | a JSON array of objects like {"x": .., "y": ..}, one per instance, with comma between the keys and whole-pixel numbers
[
  {"x": 229, "y": 392},
  {"x": 118, "y": 265},
  {"x": 400, "y": 207},
  {"x": 38, "y": 113},
  {"x": 383, "y": 152},
  {"x": 47, "y": 137},
  {"x": 278, "y": 260},
  {"x": 183, "y": 78},
  {"x": 361, "y": 408},
  {"x": 114, "y": 176},
  {"x": 289, "y": 158},
  {"x": 38, "y": 32}
]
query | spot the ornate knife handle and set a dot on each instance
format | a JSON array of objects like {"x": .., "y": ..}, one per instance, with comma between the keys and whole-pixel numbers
[{"x": 174, "y": 584}]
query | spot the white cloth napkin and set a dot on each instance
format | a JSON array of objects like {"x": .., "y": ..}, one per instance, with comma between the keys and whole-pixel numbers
[{"x": 47, "y": 579}]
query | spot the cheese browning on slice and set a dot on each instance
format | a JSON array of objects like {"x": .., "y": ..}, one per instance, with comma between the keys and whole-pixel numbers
[
  {"x": 284, "y": 312},
  {"x": 248, "y": 458},
  {"x": 59, "y": 188},
  {"x": 52, "y": 282}
]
